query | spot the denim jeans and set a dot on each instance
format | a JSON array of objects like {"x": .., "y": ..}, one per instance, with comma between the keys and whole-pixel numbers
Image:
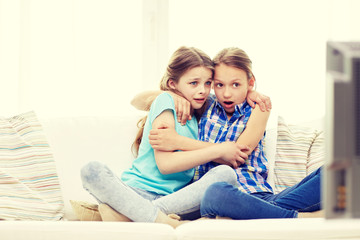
[
  {"x": 222, "y": 199},
  {"x": 143, "y": 206}
]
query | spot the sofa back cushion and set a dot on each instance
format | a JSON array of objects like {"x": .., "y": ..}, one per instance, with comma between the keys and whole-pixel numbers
[
  {"x": 29, "y": 184},
  {"x": 75, "y": 141}
]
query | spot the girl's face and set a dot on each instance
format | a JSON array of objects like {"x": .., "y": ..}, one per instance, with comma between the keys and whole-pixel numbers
[
  {"x": 194, "y": 85},
  {"x": 231, "y": 86}
]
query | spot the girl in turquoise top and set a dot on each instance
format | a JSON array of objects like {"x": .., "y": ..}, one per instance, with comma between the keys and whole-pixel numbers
[{"x": 159, "y": 182}]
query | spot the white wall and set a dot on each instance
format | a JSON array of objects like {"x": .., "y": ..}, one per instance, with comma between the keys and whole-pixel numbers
[
  {"x": 285, "y": 40},
  {"x": 70, "y": 57},
  {"x": 86, "y": 57}
]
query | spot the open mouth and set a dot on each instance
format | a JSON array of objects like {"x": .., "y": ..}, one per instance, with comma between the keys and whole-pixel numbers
[
  {"x": 199, "y": 100},
  {"x": 228, "y": 104}
]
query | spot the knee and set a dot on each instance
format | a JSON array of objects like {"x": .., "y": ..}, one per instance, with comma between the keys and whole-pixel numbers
[
  {"x": 214, "y": 192},
  {"x": 212, "y": 199},
  {"x": 90, "y": 172},
  {"x": 226, "y": 174}
]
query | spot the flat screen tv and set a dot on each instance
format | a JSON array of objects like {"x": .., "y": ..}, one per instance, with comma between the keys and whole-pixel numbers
[{"x": 341, "y": 185}]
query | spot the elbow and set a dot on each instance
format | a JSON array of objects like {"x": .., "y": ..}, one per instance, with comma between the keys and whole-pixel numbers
[
  {"x": 165, "y": 162},
  {"x": 164, "y": 167},
  {"x": 164, "y": 171}
]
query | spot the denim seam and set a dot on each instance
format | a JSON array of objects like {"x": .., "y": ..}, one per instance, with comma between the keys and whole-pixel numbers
[
  {"x": 207, "y": 215},
  {"x": 308, "y": 207}
]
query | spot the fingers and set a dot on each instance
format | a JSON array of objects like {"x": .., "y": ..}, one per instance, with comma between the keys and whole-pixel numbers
[
  {"x": 251, "y": 103},
  {"x": 268, "y": 104},
  {"x": 243, "y": 155},
  {"x": 182, "y": 108},
  {"x": 235, "y": 164},
  {"x": 185, "y": 113},
  {"x": 154, "y": 144},
  {"x": 243, "y": 147},
  {"x": 263, "y": 101},
  {"x": 241, "y": 162},
  {"x": 179, "y": 110},
  {"x": 266, "y": 101},
  {"x": 153, "y": 137},
  {"x": 238, "y": 160},
  {"x": 241, "y": 159},
  {"x": 153, "y": 131},
  {"x": 261, "y": 104}
]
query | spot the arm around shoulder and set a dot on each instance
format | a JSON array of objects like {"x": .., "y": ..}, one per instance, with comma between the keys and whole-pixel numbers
[{"x": 143, "y": 100}]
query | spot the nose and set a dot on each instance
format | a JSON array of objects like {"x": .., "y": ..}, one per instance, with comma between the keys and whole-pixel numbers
[
  {"x": 201, "y": 89},
  {"x": 227, "y": 92}
]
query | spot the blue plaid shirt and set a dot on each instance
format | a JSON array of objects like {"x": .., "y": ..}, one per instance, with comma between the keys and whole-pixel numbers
[{"x": 215, "y": 127}]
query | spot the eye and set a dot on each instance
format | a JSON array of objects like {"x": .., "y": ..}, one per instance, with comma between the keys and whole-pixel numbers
[
  {"x": 236, "y": 84},
  {"x": 219, "y": 85},
  {"x": 208, "y": 83},
  {"x": 193, "y": 83}
]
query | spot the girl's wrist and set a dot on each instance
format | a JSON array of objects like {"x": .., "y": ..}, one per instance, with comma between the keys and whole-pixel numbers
[
  {"x": 217, "y": 153},
  {"x": 180, "y": 143}
]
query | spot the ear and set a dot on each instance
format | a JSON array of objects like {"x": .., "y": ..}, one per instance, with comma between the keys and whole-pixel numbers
[
  {"x": 171, "y": 84},
  {"x": 251, "y": 83}
]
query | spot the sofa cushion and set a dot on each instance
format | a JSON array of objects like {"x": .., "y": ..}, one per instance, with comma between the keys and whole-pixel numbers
[
  {"x": 29, "y": 185},
  {"x": 79, "y": 230},
  {"x": 316, "y": 155},
  {"x": 299, "y": 151},
  {"x": 280, "y": 229}
]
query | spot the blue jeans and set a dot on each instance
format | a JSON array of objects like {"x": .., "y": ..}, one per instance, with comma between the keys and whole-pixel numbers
[
  {"x": 143, "y": 206},
  {"x": 224, "y": 200}
]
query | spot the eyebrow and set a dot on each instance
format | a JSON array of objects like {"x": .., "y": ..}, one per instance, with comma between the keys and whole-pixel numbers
[
  {"x": 197, "y": 78},
  {"x": 233, "y": 80}
]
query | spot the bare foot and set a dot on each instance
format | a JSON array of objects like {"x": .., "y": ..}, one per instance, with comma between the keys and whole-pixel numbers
[
  {"x": 316, "y": 214},
  {"x": 110, "y": 215},
  {"x": 169, "y": 219},
  {"x": 174, "y": 216}
]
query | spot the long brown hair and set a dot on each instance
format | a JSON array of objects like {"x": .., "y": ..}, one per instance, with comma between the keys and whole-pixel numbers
[
  {"x": 235, "y": 57},
  {"x": 182, "y": 60}
]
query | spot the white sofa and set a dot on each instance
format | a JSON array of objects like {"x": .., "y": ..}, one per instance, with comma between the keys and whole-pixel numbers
[{"x": 76, "y": 141}]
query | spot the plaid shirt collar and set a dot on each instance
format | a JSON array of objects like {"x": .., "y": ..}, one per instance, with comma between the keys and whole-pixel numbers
[{"x": 240, "y": 110}]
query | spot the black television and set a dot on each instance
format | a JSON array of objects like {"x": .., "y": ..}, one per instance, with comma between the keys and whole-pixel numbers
[{"x": 341, "y": 178}]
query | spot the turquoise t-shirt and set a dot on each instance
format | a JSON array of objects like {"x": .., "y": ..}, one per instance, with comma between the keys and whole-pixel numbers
[{"x": 144, "y": 173}]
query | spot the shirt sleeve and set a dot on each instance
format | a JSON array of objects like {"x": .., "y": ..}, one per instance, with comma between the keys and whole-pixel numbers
[{"x": 163, "y": 102}]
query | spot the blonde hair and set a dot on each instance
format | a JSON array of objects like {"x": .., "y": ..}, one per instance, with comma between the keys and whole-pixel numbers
[
  {"x": 182, "y": 60},
  {"x": 235, "y": 57}
]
